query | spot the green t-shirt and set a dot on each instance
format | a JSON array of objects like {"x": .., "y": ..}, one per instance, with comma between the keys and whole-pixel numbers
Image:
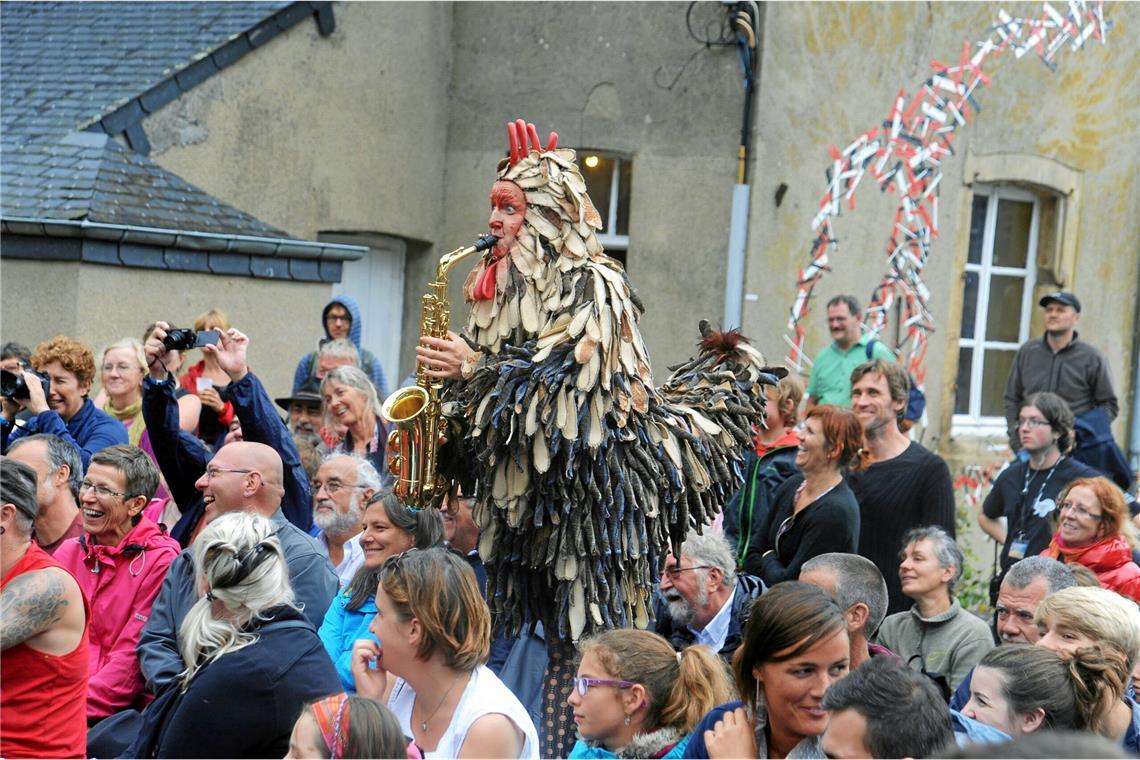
[{"x": 830, "y": 381}]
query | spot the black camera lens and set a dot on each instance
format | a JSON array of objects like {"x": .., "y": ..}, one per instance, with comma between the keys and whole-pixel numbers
[
  {"x": 179, "y": 339},
  {"x": 12, "y": 385}
]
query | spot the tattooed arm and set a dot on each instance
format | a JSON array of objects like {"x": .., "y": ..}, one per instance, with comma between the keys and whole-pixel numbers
[{"x": 39, "y": 602}]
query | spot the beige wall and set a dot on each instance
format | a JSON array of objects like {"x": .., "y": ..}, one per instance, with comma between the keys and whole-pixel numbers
[
  {"x": 99, "y": 304},
  {"x": 832, "y": 70},
  {"x": 598, "y": 74}
]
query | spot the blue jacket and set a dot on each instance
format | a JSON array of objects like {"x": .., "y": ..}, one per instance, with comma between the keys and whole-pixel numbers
[
  {"x": 1098, "y": 449},
  {"x": 310, "y": 574},
  {"x": 341, "y": 629},
  {"x": 1131, "y": 741},
  {"x": 90, "y": 430},
  {"x": 587, "y": 751},
  {"x": 748, "y": 587},
  {"x": 307, "y": 367},
  {"x": 969, "y": 731},
  {"x": 243, "y": 704},
  {"x": 182, "y": 458}
]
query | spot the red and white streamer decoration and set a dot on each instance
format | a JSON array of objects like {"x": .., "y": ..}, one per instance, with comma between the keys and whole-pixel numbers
[{"x": 905, "y": 154}]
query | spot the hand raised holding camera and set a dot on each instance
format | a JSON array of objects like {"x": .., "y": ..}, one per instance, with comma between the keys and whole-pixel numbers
[
  {"x": 37, "y": 400},
  {"x": 230, "y": 353},
  {"x": 155, "y": 351}
]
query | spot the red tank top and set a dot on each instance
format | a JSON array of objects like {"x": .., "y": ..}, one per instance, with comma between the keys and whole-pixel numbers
[{"x": 43, "y": 697}]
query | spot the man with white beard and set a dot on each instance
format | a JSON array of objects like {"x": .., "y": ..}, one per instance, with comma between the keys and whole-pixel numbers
[
  {"x": 341, "y": 488},
  {"x": 701, "y": 598}
]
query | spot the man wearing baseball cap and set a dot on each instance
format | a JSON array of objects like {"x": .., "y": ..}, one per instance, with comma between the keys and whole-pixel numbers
[{"x": 1077, "y": 372}]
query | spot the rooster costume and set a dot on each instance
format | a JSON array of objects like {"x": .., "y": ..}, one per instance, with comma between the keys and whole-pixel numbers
[{"x": 586, "y": 473}]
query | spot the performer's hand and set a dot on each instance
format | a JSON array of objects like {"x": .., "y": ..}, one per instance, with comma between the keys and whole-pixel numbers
[
  {"x": 732, "y": 736},
  {"x": 368, "y": 669},
  {"x": 442, "y": 359}
]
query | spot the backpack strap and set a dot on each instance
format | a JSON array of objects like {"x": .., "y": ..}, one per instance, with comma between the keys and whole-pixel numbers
[{"x": 871, "y": 348}]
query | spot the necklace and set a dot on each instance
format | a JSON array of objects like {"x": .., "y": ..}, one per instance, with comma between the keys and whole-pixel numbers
[{"x": 424, "y": 722}]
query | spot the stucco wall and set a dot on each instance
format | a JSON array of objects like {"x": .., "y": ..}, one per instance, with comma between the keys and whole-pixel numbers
[
  {"x": 599, "y": 74},
  {"x": 100, "y": 304},
  {"x": 832, "y": 70}
]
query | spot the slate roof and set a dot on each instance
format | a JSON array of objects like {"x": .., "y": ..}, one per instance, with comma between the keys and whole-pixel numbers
[
  {"x": 64, "y": 65},
  {"x": 74, "y": 73}
]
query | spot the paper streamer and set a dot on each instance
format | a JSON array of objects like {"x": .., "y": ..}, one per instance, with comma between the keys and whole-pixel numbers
[{"x": 905, "y": 154}]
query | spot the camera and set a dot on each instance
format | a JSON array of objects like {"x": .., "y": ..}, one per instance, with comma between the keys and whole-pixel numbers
[
  {"x": 184, "y": 339},
  {"x": 12, "y": 385}
]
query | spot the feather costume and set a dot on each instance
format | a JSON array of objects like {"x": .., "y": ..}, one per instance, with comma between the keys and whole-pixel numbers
[{"x": 587, "y": 474}]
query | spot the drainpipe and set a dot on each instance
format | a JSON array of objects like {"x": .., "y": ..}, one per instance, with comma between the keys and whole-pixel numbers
[
  {"x": 1134, "y": 435},
  {"x": 746, "y": 20}
]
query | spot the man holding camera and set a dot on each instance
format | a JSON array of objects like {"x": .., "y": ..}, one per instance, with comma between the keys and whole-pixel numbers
[{"x": 56, "y": 393}]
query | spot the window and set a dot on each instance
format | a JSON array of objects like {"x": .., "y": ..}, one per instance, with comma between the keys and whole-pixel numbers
[
  {"x": 1001, "y": 271},
  {"x": 608, "y": 178}
]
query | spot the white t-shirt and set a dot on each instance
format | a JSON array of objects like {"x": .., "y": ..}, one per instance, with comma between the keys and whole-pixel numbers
[{"x": 485, "y": 694}]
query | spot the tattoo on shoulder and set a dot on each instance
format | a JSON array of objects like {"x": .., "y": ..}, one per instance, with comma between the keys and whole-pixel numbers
[{"x": 30, "y": 605}]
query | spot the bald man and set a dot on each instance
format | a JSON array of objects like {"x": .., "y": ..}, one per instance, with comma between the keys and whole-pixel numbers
[{"x": 242, "y": 477}]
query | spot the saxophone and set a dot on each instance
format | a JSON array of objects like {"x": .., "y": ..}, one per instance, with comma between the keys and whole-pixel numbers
[{"x": 416, "y": 412}]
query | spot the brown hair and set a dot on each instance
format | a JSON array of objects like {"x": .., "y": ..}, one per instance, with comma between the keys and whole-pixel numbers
[
  {"x": 371, "y": 730},
  {"x": 1115, "y": 518},
  {"x": 898, "y": 384},
  {"x": 73, "y": 356},
  {"x": 789, "y": 394},
  {"x": 1070, "y": 692},
  {"x": 215, "y": 317},
  {"x": 790, "y": 615},
  {"x": 843, "y": 431},
  {"x": 1057, "y": 413},
  {"x": 439, "y": 589},
  {"x": 680, "y": 689}
]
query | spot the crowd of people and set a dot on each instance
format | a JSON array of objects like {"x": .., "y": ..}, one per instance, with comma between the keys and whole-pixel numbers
[{"x": 187, "y": 574}]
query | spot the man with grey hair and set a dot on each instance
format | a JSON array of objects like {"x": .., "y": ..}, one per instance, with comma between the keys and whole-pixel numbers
[
  {"x": 701, "y": 599},
  {"x": 341, "y": 487},
  {"x": 59, "y": 471},
  {"x": 43, "y": 634},
  {"x": 1022, "y": 590},
  {"x": 861, "y": 592}
]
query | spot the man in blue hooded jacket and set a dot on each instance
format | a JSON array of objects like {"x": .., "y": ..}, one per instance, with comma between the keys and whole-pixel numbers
[{"x": 341, "y": 320}]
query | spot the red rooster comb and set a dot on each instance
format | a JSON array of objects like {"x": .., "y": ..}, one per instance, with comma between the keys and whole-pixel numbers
[{"x": 519, "y": 132}]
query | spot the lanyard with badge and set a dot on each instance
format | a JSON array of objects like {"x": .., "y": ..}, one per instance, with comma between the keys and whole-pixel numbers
[{"x": 1020, "y": 545}]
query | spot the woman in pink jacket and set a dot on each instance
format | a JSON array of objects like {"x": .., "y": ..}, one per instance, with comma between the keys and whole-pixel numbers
[{"x": 120, "y": 561}]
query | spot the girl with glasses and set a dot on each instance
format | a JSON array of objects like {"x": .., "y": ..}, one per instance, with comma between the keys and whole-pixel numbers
[
  {"x": 1094, "y": 529},
  {"x": 636, "y": 697}
]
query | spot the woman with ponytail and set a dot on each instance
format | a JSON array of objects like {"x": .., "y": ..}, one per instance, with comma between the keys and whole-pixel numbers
[
  {"x": 252, "y": 659},
  {"x": 636, "y": 697},
  {"x": 1022, "y": 689}
]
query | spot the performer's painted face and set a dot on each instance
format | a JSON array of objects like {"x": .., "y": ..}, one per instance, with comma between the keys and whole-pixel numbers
[{"x": 508, "y": 207}]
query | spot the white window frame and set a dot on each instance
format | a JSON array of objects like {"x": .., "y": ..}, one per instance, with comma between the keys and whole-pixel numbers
[
  {"x": 973, "y": 423},
  {"x": 609, "y": 240}
]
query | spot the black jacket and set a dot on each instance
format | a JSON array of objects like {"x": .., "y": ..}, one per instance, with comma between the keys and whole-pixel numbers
[{"x": 829, "y": 524}]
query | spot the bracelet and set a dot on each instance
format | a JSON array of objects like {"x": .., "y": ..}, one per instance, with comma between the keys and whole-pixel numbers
[{"x": 468, "y": 367}]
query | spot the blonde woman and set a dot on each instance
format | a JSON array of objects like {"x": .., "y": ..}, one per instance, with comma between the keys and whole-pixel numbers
[{"x": 252, "y": 659}]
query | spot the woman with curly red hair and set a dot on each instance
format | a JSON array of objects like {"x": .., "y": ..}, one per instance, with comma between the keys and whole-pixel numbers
[
  {"x": 64, "y": 411},
  {"x": 1094, "y": 529}
]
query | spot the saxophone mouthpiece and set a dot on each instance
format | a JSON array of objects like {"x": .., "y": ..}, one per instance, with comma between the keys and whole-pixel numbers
[{"x": 485, "y": 241}]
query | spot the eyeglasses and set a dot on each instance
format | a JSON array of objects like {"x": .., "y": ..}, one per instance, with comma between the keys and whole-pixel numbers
[
  {"x": 330, "y": 486},
  {"x": 101, "y": 491},
  {"x": 1031, "y": 422},
  {"x": 583, "y": 684},
  {"x": 1081, "y": 511},
  {"x": 673, "y": 572},
  {"x": 339, "y": 318},
  {"x": 213, "y": 472}
]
